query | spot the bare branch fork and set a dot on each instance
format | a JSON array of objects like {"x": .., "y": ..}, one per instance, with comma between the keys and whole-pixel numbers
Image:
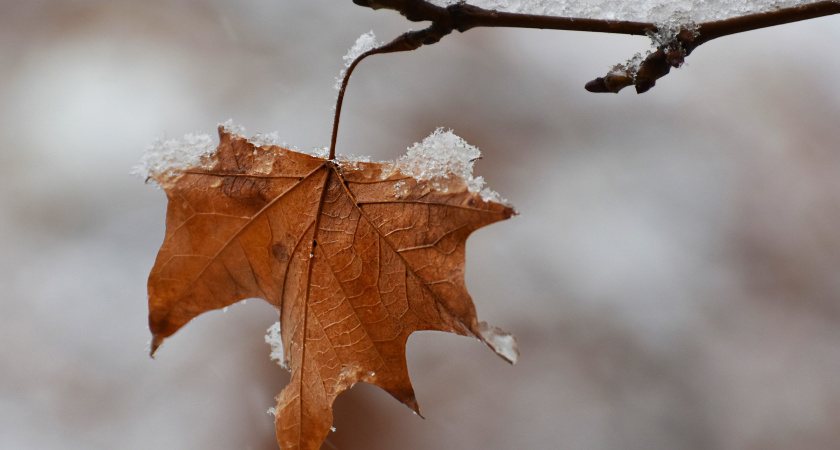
[{"x": 463, "y": 17}]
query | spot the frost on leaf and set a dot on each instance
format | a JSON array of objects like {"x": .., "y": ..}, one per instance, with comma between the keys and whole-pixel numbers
[
  {"x": 355, "y": 255},
  {"x": 165, "y": 156},
  {"x": 444, "y": 160},
  {"x": 275, "y": 340}
]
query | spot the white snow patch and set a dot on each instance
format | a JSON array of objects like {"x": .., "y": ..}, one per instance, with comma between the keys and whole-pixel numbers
[
  {"x": 194, "y": 150},
  {"x": 657, "y": 11},
  {"x": 631, "y": 67},
  {"x": 364, "y": 43},
  {"x": 275, "y": 340},
  {"x": 352, "y": 160},
  {"x": 171, "y": 155},
  {"x": 441, "y": 157},
  {"x": 502, "y": 342},
  {"x": 669, "y": 16},
  {"x": 233, "y": 128},
  {"x": 318, "y": 152},
  {"x": 259, "y": 139}
]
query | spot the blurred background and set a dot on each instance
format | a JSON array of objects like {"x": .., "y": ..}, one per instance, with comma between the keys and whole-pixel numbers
[{"x": 673, "y": 276}]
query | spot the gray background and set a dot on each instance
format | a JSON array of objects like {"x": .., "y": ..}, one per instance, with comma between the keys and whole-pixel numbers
[{"x": 673, "y": 278}]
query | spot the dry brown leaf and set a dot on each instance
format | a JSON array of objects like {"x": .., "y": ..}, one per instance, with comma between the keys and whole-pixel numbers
[{"x": 356, "y": 257}]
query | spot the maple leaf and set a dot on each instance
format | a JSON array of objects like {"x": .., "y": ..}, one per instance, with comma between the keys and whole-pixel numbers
[{"x": 356, "y": 256}]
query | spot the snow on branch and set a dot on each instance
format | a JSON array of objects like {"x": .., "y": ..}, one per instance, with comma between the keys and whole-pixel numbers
[
  {"x": 656, "y": 11},
  {"x": 676, "y": 28}
]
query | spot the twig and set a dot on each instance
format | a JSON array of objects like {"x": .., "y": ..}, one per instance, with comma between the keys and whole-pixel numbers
[
  {"x": 463, "y": 17},
  {"x": 720, "y": 28},
  {"x": 408, "y": 41}
]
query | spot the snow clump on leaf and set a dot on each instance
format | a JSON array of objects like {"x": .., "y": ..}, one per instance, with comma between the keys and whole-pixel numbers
[
  {"x": 171, "y": 155},
  {"x": 444, "y": 156},
  {"x": 275, "y": 340}
]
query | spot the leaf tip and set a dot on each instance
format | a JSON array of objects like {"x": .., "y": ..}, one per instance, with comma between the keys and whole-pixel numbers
[
  {"x": 157, "y": 340},
  {"x": 510, "y": 211},
  {"x": 415, "y": 407},
  {"x": 228, "y": 127},
  {"x": 502, "y": 342}
]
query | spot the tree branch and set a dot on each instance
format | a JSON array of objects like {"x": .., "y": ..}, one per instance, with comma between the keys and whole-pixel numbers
[
  {"x": 720, "y": 28},
  {"x": 463, "y": 17}
]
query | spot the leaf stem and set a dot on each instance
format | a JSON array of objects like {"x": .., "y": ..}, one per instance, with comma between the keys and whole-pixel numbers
[
  {"x": 340, "y": 100},
  {"x": 405, "y": 42}
]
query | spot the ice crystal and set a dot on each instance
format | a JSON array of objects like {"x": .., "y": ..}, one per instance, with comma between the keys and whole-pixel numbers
[
  {"x": 275, "y": 340},
  {"x": 233, "y": 128},
  {"x": 500, "y": 341},
  {"x": 194, "y": 150},
  {"x": 318, "y": 152},
  {"x": 443, "y": 157},
  {"x": 171, "y": 155},
  {"x": 364, "y": 43},
  {"x": 630, "y": 67}
]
